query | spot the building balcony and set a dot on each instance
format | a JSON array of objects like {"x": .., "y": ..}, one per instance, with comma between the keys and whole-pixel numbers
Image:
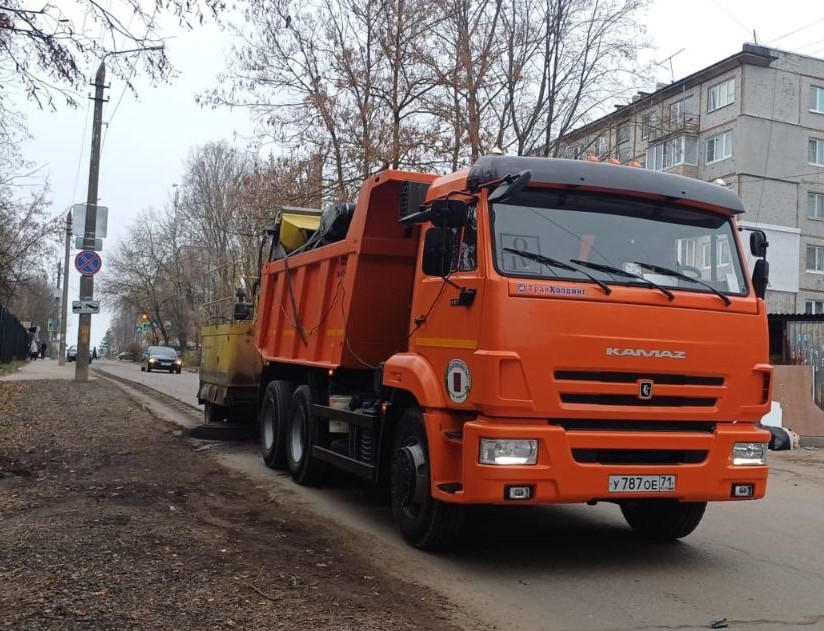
[{"x": 664, "y": 128}]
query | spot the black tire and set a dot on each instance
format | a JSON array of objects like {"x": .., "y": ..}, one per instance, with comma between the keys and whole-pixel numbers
[
  {"x": 213, "y": 413},
  {"x": 301, "y": 434},
  {"x": 274, "y": 413},
  {"x": 178, "y": 371},
  {"x": 423, "y": 521},
  {"x": 663, "y": 520}
]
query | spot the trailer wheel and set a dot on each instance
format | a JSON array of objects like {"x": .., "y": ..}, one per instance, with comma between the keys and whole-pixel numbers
[
  {"x": 274, "y": 412},
  {"x": 663, "y": 520},
  {"x": 213, "y": 413},
  {"x": 301, "y": 435},
  {"x": 424, "y": 522}
]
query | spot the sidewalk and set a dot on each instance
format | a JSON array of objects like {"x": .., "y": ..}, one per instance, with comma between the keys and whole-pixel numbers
[{"x": 43, "y": 369}]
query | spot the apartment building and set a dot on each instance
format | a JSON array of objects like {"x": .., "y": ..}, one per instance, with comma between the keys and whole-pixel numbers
[{"x": 753, "y": 122}]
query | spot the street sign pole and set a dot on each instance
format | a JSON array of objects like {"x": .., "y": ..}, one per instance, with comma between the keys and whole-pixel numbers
[{"x": 81, "y": 371}]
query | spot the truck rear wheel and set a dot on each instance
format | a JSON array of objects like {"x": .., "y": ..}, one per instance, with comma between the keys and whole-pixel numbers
[
  {"x": 274, "y": 411},
  {"x": 300, "y": 436},
  {"x": 424, "y": 522},
  {"x": 663, "y": 520}
]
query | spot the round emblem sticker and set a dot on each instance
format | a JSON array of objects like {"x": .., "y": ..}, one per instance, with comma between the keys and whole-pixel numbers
[{"x": 458, "y": 381}]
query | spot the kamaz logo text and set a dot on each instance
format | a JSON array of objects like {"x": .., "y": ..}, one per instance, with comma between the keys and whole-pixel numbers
[{"x": 614, "y": 351}]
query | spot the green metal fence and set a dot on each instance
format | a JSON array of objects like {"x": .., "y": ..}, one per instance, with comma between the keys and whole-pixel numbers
[{"x": 14, "y": 339}]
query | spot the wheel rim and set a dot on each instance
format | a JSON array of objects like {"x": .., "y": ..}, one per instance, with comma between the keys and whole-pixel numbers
[
  {"x": 296, "y": 442},
  {"x": 268, "y": 428},
  {"x": 411, "y": 484}
]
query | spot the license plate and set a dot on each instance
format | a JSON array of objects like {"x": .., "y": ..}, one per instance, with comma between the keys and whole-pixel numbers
[{"x": 641, "y": 483}]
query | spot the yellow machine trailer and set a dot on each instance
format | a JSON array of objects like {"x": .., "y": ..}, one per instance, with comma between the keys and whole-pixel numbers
[{"x": 230, "y": 368}]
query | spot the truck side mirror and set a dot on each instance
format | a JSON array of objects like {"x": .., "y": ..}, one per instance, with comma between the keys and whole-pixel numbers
[
  {"x": 760, "y": 277},
  {"x": 438, "y": 248},
  {"x": 512, "y": 185},
  {"x": 758, "y": 243},
  {"x": 444, "y": 213}
]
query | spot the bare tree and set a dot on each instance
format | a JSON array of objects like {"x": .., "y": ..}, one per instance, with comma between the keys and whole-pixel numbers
[
  {"x": 44, "y": 46},
  {"x": 35, "y": 301},
  {"x": 282, "y": 72},
  {"x": 563, "y": 61},
  {"x": 136, "y": 280},
  {"x": 342, "y": 79},
  {"x": 25, "y": 235}
]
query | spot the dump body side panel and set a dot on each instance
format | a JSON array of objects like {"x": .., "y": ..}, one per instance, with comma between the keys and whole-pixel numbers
[
  {"x": 230, "y": 365},
  {"x": 345, "y": 304}
]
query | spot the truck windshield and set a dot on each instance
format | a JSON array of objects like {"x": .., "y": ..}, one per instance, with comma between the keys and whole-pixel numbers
[{"x": 616, "y": 239}]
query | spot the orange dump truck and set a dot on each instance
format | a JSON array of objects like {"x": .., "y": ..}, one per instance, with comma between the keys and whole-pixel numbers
[{"x": 527, "y": 331}]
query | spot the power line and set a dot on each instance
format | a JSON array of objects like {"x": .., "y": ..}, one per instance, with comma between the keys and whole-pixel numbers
[
  {"x": 798, "y": 30},
  {"x": 732, "y": 17}
]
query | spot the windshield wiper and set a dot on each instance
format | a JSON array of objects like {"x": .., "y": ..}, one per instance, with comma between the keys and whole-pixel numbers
[
  {"x": 617, "y": 271},
  {"x": 676, "y": 274},
  {"x": 545, "y": 260}
]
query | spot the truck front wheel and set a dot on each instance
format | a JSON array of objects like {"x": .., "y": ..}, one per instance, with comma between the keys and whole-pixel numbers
[
  {"x": 300, "y": 436},
  {"x": 274, "y": 411},
  {"x": 663, "y": 520},
  {"x": 424, "y": 522}
]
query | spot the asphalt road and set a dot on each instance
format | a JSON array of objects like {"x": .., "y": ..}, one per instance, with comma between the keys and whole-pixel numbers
[{"x": 759, "y": 565}]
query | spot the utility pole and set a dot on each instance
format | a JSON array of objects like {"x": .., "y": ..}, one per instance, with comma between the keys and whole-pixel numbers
[
  {"x": 81, "y": 371},
  {"x": 61, "y": 358}
]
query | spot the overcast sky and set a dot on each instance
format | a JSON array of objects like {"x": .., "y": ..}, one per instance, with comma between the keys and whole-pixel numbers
[{"x": 148, "y": 138}]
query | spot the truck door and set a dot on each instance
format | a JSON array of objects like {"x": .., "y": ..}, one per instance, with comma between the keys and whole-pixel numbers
[{"x": 446, "y": 313}]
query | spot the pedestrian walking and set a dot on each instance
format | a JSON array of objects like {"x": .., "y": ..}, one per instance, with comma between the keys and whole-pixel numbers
[
  {"x": 43, "y": 349},
  {"x": 34, "y": 350}
]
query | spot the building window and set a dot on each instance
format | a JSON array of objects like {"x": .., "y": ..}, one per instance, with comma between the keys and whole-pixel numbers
[
  {"x": 814, "y": 307},
  {"x": 647, "y": 123},
  {"x": 623, "y": 147},
  {"x": 724, "y": 255},
  {"x": 816, "y": 151},
  {"x": 706, "y": 258},
  {"x": 672, "y": 152},
  {"x": 815, "y": 205},
  {"x": 720, "y": 95},
  {"x": 681, "y": 111},
  {"x": 815, "y": 258},
  {"x": 816, "y": 99},
  {"x": 686, "y": 252},
  {"x": 599, "y": 147},
  {"x": 719, "y": 147}
]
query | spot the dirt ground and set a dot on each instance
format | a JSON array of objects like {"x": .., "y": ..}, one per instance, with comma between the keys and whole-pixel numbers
[{"x": 110, "y": 519}]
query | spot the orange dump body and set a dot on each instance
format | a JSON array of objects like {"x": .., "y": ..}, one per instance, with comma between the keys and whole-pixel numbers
[{"x": 346, "y": 304}]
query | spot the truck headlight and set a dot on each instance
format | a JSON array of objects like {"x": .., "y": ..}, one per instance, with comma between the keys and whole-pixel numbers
[
  {"x": 504, "y": 451},
  {"x": 749, "y": 454}
]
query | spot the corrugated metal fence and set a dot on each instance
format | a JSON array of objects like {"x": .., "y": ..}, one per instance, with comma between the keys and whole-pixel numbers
[
  {"x": 14, "y": 339},
  {"x": 804, "y": 344}
]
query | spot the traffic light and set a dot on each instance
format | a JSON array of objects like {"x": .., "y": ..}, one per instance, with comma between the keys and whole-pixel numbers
[{"x": 144, "y": 317}]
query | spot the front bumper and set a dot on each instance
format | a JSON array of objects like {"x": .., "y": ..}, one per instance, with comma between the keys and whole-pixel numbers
[{"x": 557, "y": 477}]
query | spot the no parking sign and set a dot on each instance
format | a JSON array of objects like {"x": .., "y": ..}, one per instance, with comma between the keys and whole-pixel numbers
[{"x": 88, "y": 262}]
